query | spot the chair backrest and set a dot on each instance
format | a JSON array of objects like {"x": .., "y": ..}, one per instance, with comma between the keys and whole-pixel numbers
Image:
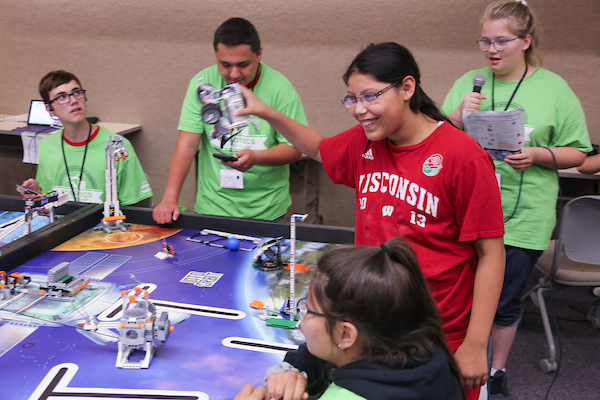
[{"x": 579, "y": 233}]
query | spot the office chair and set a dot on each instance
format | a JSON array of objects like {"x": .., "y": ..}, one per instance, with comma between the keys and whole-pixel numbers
[{"x": 572, "y": 260}]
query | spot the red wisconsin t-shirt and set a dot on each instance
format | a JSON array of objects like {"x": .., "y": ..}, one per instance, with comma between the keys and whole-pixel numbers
[{"x": 439, "y": 195}]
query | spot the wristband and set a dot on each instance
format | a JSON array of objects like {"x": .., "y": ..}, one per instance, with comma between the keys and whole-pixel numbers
[{"x": 282, "y": 367}]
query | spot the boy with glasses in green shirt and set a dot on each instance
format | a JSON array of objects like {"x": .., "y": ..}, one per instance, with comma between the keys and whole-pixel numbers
[{"x": 73, "y": 160}]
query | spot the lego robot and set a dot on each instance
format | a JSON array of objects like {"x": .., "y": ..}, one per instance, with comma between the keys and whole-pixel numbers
[
  {"x": 42, "y": 204},
  {"x": 113, "y": 216},
  {"x": 139, "y": 326},
  {"x": 62, "y": 285},
  {"x": 226, "y": 124},
  {"x": 268, "y": 255}
]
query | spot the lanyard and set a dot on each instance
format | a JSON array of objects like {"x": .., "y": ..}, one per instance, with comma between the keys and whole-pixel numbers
[
  {"x": 515, "y": 92},
  {"x": 87, "y": 142}
]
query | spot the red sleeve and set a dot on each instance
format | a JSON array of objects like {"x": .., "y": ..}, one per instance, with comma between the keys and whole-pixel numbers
[
  {"x": 478, "y": 206},
  {"x": 339, "y": 152}
]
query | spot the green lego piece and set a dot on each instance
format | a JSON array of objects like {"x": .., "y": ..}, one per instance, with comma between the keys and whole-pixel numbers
[{"x": 281, "y": 323}]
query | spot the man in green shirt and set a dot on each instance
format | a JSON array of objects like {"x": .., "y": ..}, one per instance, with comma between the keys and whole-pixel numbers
[{"x": 257, "y": 184}]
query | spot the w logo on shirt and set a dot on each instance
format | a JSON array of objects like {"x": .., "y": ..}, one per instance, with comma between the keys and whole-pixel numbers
[
  {"x": 368, "y": 155},
  {"x": 387, "y": 211}
]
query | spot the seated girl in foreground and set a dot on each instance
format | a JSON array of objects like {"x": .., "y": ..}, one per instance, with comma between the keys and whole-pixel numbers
[{"x": 372, "y": 327}]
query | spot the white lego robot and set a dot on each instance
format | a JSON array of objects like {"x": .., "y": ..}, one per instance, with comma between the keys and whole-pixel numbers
[{"x": 138, "y": 328}]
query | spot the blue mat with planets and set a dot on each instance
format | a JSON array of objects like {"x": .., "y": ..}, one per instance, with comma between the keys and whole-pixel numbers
[{"x": 205, "y": 283}]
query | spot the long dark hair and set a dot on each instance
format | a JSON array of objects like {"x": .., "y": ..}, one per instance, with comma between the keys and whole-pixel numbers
[
  {"x": 384, "y": 294},
  {"x": 391, "y": 63}
]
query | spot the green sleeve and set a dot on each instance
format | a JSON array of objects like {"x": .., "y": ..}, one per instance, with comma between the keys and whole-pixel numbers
[
  {"x": 456, "y": 95},
  {"x": 571, "y": 126},
  {"x": 133, "y": 185},
  {"x": 47, "y": 158}
]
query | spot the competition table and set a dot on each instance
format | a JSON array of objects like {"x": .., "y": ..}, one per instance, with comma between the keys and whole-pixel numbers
[
  {"x": 12, "y": 207},
  {"x": 218, "y": 343}
]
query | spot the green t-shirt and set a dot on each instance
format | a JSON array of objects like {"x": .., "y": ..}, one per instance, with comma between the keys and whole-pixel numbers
[
  {"x": 553, "y": 118},
  {"x": 335, "y": 392},
  {"x": 265, "y": 194},
  {"x": 132, "y": 185}
]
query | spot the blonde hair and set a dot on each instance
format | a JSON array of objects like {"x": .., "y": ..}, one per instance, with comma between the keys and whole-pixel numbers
[{"x": 523, "y": 23}]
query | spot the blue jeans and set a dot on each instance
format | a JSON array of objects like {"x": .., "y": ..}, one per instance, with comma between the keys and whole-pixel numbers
[{"x": 519, "y": 264}]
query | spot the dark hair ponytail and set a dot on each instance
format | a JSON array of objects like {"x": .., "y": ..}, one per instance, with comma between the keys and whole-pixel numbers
[
  {"x": 382, "y": 291},
  {"x": 391, "y": 63}
]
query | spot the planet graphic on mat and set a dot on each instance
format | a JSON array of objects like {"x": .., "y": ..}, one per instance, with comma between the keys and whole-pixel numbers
[{"x": 100, "y": 240}]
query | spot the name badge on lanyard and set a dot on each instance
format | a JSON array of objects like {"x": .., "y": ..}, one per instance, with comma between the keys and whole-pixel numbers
[{"x": 232, "y": 179}]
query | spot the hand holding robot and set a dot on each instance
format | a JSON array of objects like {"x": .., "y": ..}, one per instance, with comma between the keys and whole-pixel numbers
[{"x": 219, "y": 107}]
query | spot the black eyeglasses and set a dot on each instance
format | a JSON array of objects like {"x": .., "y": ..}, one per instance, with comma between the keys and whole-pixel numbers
[
  {"x": 366, "y": 98},
  {"x": 64, "y": 98},
  {"x": 499, "y": 44},
  {"x": 302, "y": 309}
]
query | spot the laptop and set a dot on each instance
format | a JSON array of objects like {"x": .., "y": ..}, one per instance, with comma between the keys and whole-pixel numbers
[
  {"x": 39, "y": 119},
  {"x": 38, "y": 115}
]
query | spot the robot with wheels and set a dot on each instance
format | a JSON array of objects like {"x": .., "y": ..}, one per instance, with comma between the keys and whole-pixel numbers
[
  {"x": 226, "y": 124},
  {"x": 268, "y": 255},
  {"x": 138, "y": 328}
]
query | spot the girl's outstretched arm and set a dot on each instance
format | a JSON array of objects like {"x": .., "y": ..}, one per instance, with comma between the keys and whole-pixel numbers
[{"x": 305, "y": 139}]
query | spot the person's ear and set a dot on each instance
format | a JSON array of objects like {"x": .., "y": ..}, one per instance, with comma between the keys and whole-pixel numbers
[
  {"x": 259, "y": 54},
  {"x": 526, "y": 42},
  {"x": 408, "y": 87},
  {"x": 348, "y": 335}
]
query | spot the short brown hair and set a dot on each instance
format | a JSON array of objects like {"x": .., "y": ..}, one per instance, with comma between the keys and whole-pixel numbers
[
  {"x": 53, "y": 80},
  {"x": 237, "y": 31}
]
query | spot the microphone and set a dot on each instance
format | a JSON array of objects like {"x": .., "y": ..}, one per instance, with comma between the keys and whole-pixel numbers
[{"x": 478, "y": 81}]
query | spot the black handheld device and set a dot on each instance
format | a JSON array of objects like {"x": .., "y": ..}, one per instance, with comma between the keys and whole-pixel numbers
[
  {"x": 225, "y": 157},
  {"x": 28, "y": 190}
]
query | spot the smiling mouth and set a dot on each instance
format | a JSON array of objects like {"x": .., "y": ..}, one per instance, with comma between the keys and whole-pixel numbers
[{"x": 367, "y": 123}]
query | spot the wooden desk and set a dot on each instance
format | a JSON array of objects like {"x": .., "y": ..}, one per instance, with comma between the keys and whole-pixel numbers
[
  {"x": 6, "y": 127},
  {"x": 572, "y": 173},
  {"x": 574, "y": 183}
]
